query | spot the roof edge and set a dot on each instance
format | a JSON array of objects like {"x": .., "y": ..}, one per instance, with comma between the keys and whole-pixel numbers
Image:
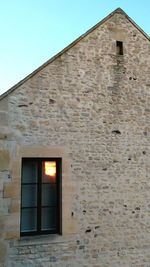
[{"x": 118, "y": 10}]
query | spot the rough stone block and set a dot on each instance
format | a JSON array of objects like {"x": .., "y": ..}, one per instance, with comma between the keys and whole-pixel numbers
[
  {"x": 3, "y": 118},
  {"x": 3, "y": 252},
  {"x": 12, "y": 235},
  {"x": 4, "y": 160},
  {"x": 15, "y": 206},
  {"x": 2, "y": 221},
  {"x": 4, "y": 104},
  {"x": 11, "y": 190}
]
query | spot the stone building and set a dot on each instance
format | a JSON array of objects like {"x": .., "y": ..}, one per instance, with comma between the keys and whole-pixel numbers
[{"x": 74, "y": 155}]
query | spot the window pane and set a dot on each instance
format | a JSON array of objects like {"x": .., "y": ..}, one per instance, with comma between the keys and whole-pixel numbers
[
  {"x": 48, "y": 218},
  {"x": 29, "y": 172},
  {"x": 28, "y": 220},
  {"x": 29, "y": 195},
  {"x": 48, "y": 194},
  {"x": 49, "y": 171}
]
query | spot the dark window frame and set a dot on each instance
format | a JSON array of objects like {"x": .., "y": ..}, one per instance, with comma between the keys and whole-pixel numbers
[{"x": 39, "y": 231}]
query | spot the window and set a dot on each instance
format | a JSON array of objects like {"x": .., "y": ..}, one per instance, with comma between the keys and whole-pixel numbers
[
  {"x": 40, "y": 196},
  {"x": 119, "y": 47}
]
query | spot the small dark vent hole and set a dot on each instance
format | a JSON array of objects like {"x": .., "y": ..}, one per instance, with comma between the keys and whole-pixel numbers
[{"x": 116, "y": 132}]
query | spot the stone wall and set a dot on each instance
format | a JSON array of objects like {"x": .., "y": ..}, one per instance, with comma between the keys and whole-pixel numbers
[{"x": 96, "y": 106}]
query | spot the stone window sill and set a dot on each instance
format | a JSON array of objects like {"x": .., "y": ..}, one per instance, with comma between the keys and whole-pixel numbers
[{"x": 43, "y": 239}]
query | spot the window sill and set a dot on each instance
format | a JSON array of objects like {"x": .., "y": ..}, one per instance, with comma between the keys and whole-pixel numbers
[{"x": 43, "y": 239}]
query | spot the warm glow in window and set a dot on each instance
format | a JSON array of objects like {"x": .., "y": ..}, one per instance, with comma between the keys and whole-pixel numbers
[{"x": 50, "y": 168}]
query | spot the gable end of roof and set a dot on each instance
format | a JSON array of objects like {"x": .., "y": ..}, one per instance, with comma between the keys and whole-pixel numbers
[{"x": 118, "y": 10}]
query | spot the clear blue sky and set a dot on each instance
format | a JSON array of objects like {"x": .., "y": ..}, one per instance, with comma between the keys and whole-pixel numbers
[{"x": 32, "y": 31}]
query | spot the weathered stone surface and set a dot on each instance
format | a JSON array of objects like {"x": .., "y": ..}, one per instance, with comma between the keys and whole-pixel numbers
[
  {"x": 4, "y": 132},
  {"x": 12, "y": 235},
  {"x": 4, "y": 160},
  {"x": 15, "y": 206},
  {"x": 3, "y": 118},
  {"x": 10, "y": 190},
  {"x": 1, "y": 221},
  {"x": 95, "y": 104},
  {"x": 3, "y": 245},
  {"x": 3, "y": 251},
  {"x": 4, "y": 104}
]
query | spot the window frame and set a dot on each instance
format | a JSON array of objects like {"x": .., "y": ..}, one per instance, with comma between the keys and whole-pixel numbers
[{"x": 39, "y": 230}]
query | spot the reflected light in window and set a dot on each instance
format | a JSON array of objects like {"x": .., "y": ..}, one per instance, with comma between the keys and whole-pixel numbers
[{"x": 50, "y": 168}]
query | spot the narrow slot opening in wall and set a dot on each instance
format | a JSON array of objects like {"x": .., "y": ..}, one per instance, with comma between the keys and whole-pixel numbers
[{"x": 119, "y": 47}]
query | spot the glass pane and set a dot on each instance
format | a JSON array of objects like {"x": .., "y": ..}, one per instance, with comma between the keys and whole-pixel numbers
[
  {"x": 29, "y": 172},
  {"x": 29, "y": 195},
  {"x": 28, "y": 220},
  {"x": 48, "y": 194},
  {"x": 49, "y": 171},
  {"x": 48, "y": 218}
]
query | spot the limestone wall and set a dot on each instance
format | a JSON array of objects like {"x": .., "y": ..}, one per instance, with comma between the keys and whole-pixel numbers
[{"x": 95, "y": 105}]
